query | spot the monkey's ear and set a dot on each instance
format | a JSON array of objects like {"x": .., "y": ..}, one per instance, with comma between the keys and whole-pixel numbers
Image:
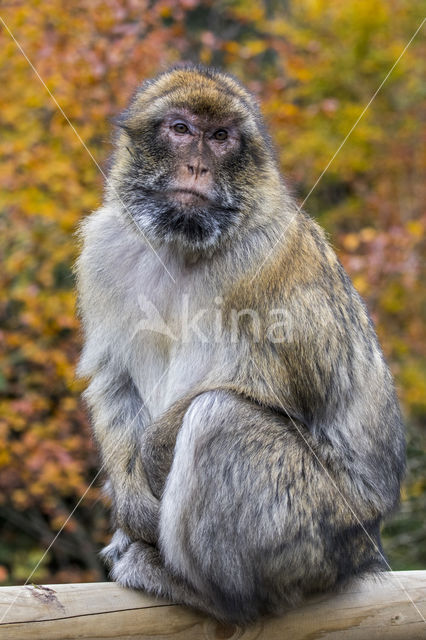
[
  {"x": 129, "y": 123},
  {"x": 122, "y": 122}
]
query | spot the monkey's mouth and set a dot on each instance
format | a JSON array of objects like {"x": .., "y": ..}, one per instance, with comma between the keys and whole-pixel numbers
[{"x": 188, "y": 195}]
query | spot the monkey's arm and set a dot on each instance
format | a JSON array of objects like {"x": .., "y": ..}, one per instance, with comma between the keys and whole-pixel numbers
[
  {"x": 118, "y": 413},
  {"x": 331, "y": 373},
  {"x": 119, "y": 416}
]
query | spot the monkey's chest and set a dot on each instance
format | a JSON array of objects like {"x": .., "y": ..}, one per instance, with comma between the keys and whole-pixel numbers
[
  {"x": 176, "y": 336},
  {"x": 167, "y": 369}
]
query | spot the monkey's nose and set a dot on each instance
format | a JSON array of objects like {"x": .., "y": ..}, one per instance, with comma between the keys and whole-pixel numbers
[{"x": 197, "y": 169}]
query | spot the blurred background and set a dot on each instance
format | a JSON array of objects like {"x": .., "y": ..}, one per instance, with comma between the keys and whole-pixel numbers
[{"x": 314, "y": 65}]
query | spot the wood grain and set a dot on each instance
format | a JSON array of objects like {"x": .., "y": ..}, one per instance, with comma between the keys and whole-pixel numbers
[{"x": 390, "y": 607}]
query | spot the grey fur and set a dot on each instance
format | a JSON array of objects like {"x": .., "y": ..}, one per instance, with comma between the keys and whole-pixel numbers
[{"x": 244, "y": 475}]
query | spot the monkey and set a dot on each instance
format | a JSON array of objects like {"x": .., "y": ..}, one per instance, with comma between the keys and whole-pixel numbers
[{"x": 246, "y": 470}]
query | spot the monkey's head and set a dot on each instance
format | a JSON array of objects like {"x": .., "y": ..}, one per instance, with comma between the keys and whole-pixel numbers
[{"x": 193, "y": 159}]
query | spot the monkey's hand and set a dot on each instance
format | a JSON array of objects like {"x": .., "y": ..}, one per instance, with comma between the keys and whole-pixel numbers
[{"x": 157, "y": 445}]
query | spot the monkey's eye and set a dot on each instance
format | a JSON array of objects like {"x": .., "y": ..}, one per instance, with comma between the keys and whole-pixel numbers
[
  {"x": 220, "y": 134},
  {"x": 179, "y": 127}
]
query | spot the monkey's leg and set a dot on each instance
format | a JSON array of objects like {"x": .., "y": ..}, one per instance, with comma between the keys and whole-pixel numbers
[
  {"x": 250, "y": 518},
  {"x": 119, "y": 418}
]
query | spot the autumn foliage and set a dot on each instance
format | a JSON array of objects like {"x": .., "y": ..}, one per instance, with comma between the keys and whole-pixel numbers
[{"x": 314, "y": 65}]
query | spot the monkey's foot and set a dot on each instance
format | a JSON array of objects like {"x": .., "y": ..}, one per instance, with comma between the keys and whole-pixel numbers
[
  {"x": 119, "y": 544},
  {"x": 139, "y": 566},
  {"x": 142, "y": 567}
]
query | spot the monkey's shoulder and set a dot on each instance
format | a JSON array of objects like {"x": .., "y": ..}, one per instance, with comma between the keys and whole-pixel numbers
[{"x": 303, "y": 276}]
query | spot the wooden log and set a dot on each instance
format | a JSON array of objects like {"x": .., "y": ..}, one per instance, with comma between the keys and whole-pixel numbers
[{"x": 390, "y": 607}]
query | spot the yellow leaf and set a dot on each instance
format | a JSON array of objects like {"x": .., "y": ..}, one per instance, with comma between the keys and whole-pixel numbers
[{"x": 415, "y": 227}]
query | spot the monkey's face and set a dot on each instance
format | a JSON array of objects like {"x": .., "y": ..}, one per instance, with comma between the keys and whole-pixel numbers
[
  {"x": 190, "y": 158},
  {"x": 186, "y": 193}
]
